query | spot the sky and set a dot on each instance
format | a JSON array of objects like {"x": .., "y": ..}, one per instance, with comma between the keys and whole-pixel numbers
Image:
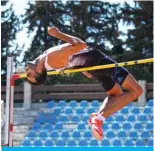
[{"x": 20, "y": 5}]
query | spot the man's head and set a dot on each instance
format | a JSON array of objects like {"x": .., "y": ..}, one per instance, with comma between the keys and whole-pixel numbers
[{"x": 34, "y": 74}]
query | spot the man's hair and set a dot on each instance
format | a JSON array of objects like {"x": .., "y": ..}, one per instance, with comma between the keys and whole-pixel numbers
[{"x": 39, "y": 77}]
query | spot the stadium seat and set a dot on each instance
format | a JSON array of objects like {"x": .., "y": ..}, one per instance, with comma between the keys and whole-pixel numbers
[
  {"x": 81, "y": 126},
  {"x": 143, "y": 118},
  {"x": 62, "y": 103},
  {"x": 63, "y": 119},
  {"x": 41, "y": 119},
  {"x": 148, "y": 110},
  {"x": 94, "y": 143},
  {"x": 48, "y": 143},
  {"x": 149, "y": 126},
  {"x": 58, "y": 126},
  {"x": 65, "y": 135},
  {"x": 51, "y": 119},
  {"x": 87, "y": 135},
  {"x": 140, "y": 142},
  {"x": 85, "y": 118},
  {"x": 51, "y": 104},
  {"x": 54, "y": 135},
  {"x": 95, "y": 103},
  {"x": 80, "y": 111},
  {"x": 36, "y": 126},
  {"x": 151, "y": 117},
  {"x": 48, "y": 127},
  {"x": 110, "y": 119},
  {"x": 150, "y": 102},
  {"x": 127, "y": 126},
  {"x": 117, "y": 143},
  {"x": 38, "y": 143},
  {"x": 32, "y": 134},
  {"x": 106, "y": 126},
  {"x": 84, "y": 103},
  {"x": 61, "y": 143},
  {"x": 57, "y": 111},
  {"x": 69, "y": 111},
  {"x": 130, "y": 104},
  {"x": 131, "y": 118},
  {"x": 105, "y": 142},
  {"x": 122, "y": 134},
  {"x": 138, "y": 126},
  {"x": 76, "y": 134},
  {"x": 145, "y": 134},
  {"x": 42, "y": 134},
  {"x": 91, "y": 110},
  {"x": 83, "y": 143},
  {"x": 75, "y": 119},
  {"x": 71, "y": 143},
  {"x": 133, "y": 134},
  {"x": 129, "y": 143},
  {"x": 110, "y": 134},
  {"x": 124, "y": 110},
  {"x": 73, "y": 103},
  {"x": 120, "y": 118},
  {"x": 27, "y": 143},
  {"x": 136, "y": 110},
  {"x": 150, "y": 142},
  {"x": 115, "y": 126}
]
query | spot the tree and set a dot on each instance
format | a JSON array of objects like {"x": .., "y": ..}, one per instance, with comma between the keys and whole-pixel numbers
[{"x": 9, "y": 28}]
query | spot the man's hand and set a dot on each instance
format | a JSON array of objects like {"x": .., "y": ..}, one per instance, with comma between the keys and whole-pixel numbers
[{"x": 53, "y": 31}]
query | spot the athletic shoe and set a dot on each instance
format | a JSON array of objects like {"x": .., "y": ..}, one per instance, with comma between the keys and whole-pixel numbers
[{"x": 96, "y": 126}]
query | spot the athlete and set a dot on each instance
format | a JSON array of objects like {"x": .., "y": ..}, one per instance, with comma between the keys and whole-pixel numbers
[{"x": 76, "y": 54}]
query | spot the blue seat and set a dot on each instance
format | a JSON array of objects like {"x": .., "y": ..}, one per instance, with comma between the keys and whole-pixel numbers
[
  {"x": 150, "y": 142},
  {"x": 58, "y": 126},
  {"x": 41, "y": 119},
  {"x": 57, "y": 111},
  {"x": 61, "y": 103},
  {"x": 73, "y": 103},
  {"x": 84, "y": 103},
  {"x": 51, "y": 119},
  {"x": 117, "y": 143},
  {"x": 151, "y": 117},
  {"x": 143, "y": 118},
  {"x": 149, "y": 126},
  {"x": 43, "y": 134},
  {"x": 32, "y": 134},
  {"x": 133, "y": 134},
  {"x": 85, "y": 118},
  {"x": 51, "y": 104},
  {"x": 115, "y": 126},
  {"x": 75, "y": 119},
  {"x": 120, "y": 118},
  {"x": 69, "y": 111},
  {"x": 63, "y": 119},
  {"x": 105, "y": 142},
  {"x": 95, "y": 103},
  {"x": 110, "y": 134},
  {"x": 150, "y": 103},
  {"x": 122, "y": 134},
  {"x": 105, "y": 126},
  {"x": 87, "y": 135},
  {"x": 61, "y": 143},
  {"x": 140, "y": 142},
  {"x": 65, "y": 135},
  {"x": 81, "y": 126},
  {"x": 148, "y": 110},
  {"x": 48, "y": 127},
  {"x": 145, "y": 134},
  {"x": 76, "y": 134},
  {"x": 71, "y": 143},
  {"x": 36, "y": 126},
  {"x": 130, "y": 104},
  {"x": 94, "y": 143},
  {"x": 83, "y": 143},
  {"x": 127, "y": 126},
  {"x": 38, "y": 143},
  {"x": 138, "y": 126},
  {"x": 80, "y": 111},
  {"x": 91, "y": 110},
  {"x": 27, "y": 143},
  {"x": 124, "y": 110},
  {"x": 49, "y": 142},
  {"x": 54, "y": 135},
  {"x": 128, "y": 143},
  {"x": 136, "y": 110},
  {"x": 131, "y": 118},
  {"x": 110, "y": 119}
]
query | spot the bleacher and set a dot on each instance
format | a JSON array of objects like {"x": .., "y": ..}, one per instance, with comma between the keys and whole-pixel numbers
[{"x": 65, "y": 124}]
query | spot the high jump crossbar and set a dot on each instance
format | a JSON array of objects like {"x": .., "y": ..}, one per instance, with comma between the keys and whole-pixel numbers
[{"x": 11, "y": 78}]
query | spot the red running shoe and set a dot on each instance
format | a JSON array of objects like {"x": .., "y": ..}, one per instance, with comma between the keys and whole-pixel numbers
[{"x": 96, "y": 126}]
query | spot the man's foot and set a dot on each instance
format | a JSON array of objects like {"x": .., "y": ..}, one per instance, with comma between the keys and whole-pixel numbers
[{"x": 96, "y": 126}]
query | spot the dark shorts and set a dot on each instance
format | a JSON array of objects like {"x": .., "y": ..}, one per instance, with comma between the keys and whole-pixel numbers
[{"x": 108, "y": 77}]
